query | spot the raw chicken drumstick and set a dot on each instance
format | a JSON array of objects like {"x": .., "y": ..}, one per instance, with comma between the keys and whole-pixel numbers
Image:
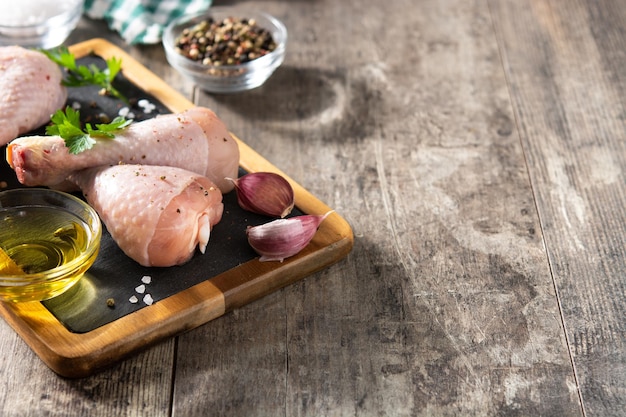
[
  {"x": 157, "y": 215},
  {"x": 30, "y": 91},
  {"x": 196, "y": 140}
]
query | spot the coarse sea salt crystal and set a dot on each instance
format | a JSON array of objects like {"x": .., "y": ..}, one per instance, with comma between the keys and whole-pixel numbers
[
  {"x": 140, "y": 289},
  {"x": 33, "y": 12},
  {"x": 148, "y": 299},
  {"x": 133, "y": 299},
  {"x": 126, "y": 113},
  {"x": 146, "y": 105},
  {"x": 146, "y": 279}
]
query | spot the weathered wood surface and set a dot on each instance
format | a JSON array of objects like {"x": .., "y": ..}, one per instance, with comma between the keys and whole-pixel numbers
[
  {"x": 478, "y": 150},
  {"x": 565, "y": 65}
]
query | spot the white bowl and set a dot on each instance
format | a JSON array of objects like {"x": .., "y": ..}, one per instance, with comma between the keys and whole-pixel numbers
[
  {"x": 38, "y": 23},
  {"x": 226, "y": 78}
]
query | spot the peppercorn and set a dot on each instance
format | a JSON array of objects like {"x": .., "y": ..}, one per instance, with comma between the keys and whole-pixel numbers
[{"x": 231, "y": 41}]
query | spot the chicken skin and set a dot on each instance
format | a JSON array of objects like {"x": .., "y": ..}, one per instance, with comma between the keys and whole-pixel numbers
[
  {"x": 157, "y": 215},
  {"x": 30, "y": 91},
  {"x": 196, "y": 140}
]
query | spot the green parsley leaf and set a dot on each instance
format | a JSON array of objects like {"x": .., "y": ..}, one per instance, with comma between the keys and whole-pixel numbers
[
  {"x": 108, "y": 130},
  {"x": 67, "y": 125},
  {"x": 82, "y": 75}
]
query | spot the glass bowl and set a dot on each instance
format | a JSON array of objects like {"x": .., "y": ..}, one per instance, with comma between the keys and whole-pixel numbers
[
  {"x": 48, "y": 240},
  {"x": 226, "y": 78},
  {"x": 38, "y": 23}
]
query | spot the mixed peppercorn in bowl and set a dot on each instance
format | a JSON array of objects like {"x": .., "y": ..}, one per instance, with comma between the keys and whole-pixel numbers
[{"x": 226, "y": 49}]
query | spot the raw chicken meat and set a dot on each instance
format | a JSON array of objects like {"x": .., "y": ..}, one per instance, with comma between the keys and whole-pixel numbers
[
  {"x": 30, "y": 91},
  {"x": 157, "y": 215},
  {"x": 196, "y": 140}
]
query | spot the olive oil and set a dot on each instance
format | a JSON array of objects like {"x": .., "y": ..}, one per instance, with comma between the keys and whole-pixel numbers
[{"x": 42, "y": 241}]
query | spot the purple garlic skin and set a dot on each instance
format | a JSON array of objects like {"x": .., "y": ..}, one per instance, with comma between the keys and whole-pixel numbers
[
  {"x": 265, "y": 193},
  {"x": 282, "y": 238}
]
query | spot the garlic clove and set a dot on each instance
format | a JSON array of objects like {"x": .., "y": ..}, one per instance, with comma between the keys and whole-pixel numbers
[
  {"x": 264, "y": 193},
  {"x": 282, "y": 238}
]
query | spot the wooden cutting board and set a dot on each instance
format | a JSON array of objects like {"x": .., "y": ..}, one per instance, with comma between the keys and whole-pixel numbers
[{"x": 78, "y": 333}]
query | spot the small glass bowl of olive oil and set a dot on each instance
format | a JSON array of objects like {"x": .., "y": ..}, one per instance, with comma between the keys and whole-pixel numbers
[{"x": 48, "y": 240}]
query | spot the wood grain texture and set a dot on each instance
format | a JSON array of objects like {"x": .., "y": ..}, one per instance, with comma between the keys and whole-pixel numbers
[
  {"x": 477, "y": 150},
  {"x": 446, "y": 305},
  {"x": 139, "y": 386},
  {"x": 565, "y": 62}
]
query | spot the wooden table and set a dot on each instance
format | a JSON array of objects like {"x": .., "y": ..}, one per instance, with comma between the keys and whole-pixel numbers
[{"x": 478, "y": 150}]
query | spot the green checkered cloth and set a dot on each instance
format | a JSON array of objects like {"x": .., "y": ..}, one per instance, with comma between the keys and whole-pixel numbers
[{"x": 142, "y": 21}]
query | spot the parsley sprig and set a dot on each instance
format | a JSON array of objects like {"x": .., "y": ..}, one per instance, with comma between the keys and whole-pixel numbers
[
  {"x": 67, "y": 125},
  {"x": 83, "y": 75}
]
